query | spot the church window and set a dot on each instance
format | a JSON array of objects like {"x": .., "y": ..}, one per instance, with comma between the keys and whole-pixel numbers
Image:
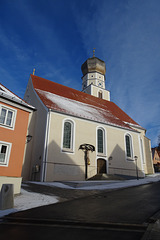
[
  {"x": 68, "y": 135},
  {"x": 101, "y": 141},
  {"x": 128, "y": 141},
  {"x": 100, "y": 94}
]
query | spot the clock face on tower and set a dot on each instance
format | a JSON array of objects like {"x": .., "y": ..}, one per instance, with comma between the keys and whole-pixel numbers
[{"x": 100, "y": 84}]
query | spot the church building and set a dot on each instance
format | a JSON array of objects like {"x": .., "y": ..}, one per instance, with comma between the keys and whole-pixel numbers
[{"x": 79, "y": 134}]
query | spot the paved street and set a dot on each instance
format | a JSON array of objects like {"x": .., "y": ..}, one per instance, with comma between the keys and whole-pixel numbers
[
  {"x": 129, "y": 210},
  {"x": 130, "y": 205},
  {"x": 58, "y": 232}
]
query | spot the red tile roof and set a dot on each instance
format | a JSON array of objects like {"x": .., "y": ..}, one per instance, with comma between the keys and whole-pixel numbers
[{"x": 73, "y": 102}]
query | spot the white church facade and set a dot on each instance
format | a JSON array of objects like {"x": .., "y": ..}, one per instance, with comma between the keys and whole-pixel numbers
[{"x": 67, "y": 119}]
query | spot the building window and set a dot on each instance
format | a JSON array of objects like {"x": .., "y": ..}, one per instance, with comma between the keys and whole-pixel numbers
[
  {"x": 68, "y": 135},
  {"x": 100, "y": 94},
  {"x": 4, "y": 153},
  {"x": 129, "y": 152},
  {"x": 101, "y": 141},
  {"x": 7, "y": 116}
]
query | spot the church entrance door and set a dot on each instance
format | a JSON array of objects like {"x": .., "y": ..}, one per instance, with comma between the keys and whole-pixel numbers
[{"x": 101, "y": 166}]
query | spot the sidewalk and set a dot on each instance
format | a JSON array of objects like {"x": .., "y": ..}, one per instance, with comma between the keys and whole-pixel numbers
[{"x": 107, "y": 184}]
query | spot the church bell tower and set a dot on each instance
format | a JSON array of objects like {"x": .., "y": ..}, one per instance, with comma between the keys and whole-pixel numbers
[{"x": 93, "y": 80}]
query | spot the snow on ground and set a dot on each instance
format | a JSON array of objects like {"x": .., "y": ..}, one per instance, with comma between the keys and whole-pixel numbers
[
  {"x": 102, "y": 185},
  {"x": 27, "y": 200},
  {"x": 32, "y": 200}
]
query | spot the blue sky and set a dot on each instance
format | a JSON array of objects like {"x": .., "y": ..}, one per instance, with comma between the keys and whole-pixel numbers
[{"x": 56, "y": 36}]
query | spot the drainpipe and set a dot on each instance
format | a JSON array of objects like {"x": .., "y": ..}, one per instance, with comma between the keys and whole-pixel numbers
[{"x": 45, "y": 151}]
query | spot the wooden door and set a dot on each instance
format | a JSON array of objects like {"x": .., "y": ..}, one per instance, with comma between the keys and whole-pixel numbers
[{"x": 101, "y": 166}]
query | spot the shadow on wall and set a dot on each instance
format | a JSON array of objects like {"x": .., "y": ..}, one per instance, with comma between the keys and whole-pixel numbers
[
  {"x": 67, "y": 166},
  {"x": 59, "y": 165},
  {"x": 28, "y": 159},
  {"x": 64, "y": 165},
  {"x": 121, "y": 165}
]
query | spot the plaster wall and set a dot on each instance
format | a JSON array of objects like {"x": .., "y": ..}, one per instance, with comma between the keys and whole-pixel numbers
[
  {"x": 37, "y": 129},
  {"x": 105, "y": 93},
  {"x": 70, "y": 165},
  {"x": 149, "y": 162},
  {"x": 16, "y": 181},
  {"x": 145, "y": 151},
  {"x": 17, "y": 138},
  {"x": 93, "y": 90}
]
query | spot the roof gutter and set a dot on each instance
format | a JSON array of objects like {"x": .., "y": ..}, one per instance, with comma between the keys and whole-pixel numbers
[{"x": 21, "y": 103}]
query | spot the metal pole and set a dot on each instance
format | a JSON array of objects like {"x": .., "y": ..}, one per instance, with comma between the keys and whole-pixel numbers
[{"x": 86, "y": 164}]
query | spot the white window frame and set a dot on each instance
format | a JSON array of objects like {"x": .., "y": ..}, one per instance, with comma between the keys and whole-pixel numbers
[
  {"x": 104, "y": 141},
  {"x": 7, "y": 156},
  {"x": 131, "y": 147},
  {"x": 14, "y": 111},
  {"x": 71, "y": 149}
]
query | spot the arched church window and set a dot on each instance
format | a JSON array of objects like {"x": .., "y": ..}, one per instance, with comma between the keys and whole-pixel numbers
[
  {"x": 129, "y": 151},
  {"x": 101, "y": 140},
  {"x": 68, "y": 135}
]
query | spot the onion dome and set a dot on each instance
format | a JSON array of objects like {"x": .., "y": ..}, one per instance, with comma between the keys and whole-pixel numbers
[{"x": 93, "y": 64}]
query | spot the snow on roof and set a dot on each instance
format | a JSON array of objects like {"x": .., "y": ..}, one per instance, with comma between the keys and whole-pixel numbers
[
  {"x": 75, "y": 108},
  {"x": 7, "y": 94},
  {"x": 73, "y": 102}
]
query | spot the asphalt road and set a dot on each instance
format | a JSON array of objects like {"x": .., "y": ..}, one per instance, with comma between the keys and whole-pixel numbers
[
  {"x": 133, "y": 205},
  {"x": 47, "y": 232},
  {"x": 129, "y": 210}
]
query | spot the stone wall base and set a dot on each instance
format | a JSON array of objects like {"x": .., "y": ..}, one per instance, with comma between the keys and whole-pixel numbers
[{"x": 16, "y": 181}]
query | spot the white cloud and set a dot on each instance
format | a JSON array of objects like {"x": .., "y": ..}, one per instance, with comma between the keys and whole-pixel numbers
[{"x": 127, "y": 35}]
